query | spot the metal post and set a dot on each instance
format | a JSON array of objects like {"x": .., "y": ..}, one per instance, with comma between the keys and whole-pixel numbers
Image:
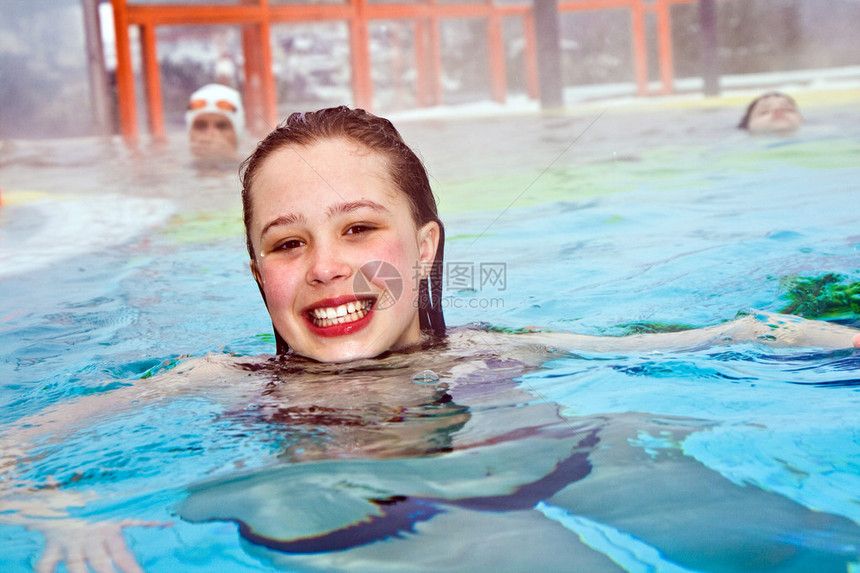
[
  {"x": 99, "y": 91},
  {"x": 710, "y": 65},
  {"x": 549, "y": 54},
  {"x": 530, "y": 56}
]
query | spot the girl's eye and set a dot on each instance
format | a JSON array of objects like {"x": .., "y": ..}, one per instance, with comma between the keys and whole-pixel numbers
[
  {"x": 289, "y": 245},
  {"x": 359, "y": 228}
]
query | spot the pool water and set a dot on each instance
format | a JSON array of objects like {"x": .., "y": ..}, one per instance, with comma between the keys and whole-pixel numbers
[{"x": 115, "y": 264}]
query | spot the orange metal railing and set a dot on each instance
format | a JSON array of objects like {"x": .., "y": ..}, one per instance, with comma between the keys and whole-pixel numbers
[
  {"x": 256, "y": 17},
  {"x": 638, "y": 9}
]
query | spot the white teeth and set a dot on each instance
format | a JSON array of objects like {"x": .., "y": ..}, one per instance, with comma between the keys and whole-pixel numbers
[{"x": 344, "y": 313}]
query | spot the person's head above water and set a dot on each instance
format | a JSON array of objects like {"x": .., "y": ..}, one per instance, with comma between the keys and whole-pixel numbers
[
  {"x": 772, "y": 112},
  {"x": 216, "y": 121},
  {"x": 344, "y": 237}
]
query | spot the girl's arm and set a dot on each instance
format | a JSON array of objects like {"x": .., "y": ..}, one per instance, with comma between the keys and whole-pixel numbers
[
  {"x": 44, "y": 507},
  {"x": 767, "y": 328}
]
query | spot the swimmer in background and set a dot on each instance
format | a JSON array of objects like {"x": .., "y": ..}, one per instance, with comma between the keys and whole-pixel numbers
[
  {"x": 346, "y": 245},
  {"x": 216, "y": 123},
  {"x": 772, "y": 112}
]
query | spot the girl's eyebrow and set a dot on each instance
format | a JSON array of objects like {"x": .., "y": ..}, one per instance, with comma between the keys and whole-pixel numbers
[
  {"x": 343, "y": 208},
  {"x": 338, "y": 209},
  {"x": 282, "y": 220}
]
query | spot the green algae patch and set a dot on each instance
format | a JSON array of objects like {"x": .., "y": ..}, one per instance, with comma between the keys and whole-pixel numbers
[
  {"x": 467, "y": 236},
  {"x": 828, "y": 296},
  {"x": 652, "y": 327},
  {"x": 533, "y": 187},
  {"x": 664, "y": 168},
  {"x": 814, "y": 154},
  {"x": 205, "y": 226}
]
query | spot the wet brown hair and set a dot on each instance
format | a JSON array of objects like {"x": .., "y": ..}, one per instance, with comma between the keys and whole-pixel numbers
[{"x": 405, "y": 168}]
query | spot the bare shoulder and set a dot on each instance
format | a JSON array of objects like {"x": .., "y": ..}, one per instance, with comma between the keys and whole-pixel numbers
[{"x": 529, "y": 348}]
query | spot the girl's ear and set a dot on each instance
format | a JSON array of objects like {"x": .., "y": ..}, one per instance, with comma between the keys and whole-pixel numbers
[
  {"x": 428, "y": 243},
  {"x": 255, "y": 270}
]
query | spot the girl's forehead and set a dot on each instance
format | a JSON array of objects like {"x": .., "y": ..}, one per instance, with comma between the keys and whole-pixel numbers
[
  {"x": 331, "y": 157},
  {"x": 327, "y": 171}
]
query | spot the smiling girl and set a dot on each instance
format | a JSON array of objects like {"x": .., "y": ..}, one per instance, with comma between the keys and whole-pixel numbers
[{"x": 327, "y": 196}]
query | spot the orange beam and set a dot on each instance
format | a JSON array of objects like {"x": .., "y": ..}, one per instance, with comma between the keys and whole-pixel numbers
[
  {"x": 589, "y": 5},
  {"x": 496, "y": 49},
  {"x": 409, "y": 11},
  {"x": 124, "y": 73},
  {"x": 362, "y": 84},
  {"x": 640, "y": 47},
  {"x": 253, "y": 86},
  {"x": 270, "y": 98},
  {"x": 174, "y": 14},
  {"x": 664, "y": 43},
  {"x": 310, "y": 12},
  {"x": 152, "y": 82}
]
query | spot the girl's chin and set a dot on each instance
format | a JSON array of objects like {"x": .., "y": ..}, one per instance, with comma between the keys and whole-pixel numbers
[
  {"x": 351, "y": 350},
  {"x": 334, "y": 356},
  {"x": 350, "y": 341},
  {"x": 340, "y": 349}
]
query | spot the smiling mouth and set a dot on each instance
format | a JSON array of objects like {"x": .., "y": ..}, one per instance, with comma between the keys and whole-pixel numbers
[{"x": 350, "y": 312}]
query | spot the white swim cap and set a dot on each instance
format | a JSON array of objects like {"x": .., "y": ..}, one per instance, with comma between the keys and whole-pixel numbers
[{"x": 220, "y": 99}]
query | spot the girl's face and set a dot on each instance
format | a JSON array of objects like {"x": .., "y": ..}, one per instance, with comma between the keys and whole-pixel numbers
[
  {"x": 337, "y": 252},
  {"x": 774, "y": 113}
]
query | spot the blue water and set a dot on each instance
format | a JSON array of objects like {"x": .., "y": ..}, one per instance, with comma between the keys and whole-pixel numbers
[{"x": 698, "y": 235}]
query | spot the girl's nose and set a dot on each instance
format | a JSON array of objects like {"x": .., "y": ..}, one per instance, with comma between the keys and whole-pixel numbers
[{"x": 327, "y": 264}]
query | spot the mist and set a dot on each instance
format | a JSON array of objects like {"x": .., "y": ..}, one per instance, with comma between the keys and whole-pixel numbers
[{"x": 45, "y": 90}]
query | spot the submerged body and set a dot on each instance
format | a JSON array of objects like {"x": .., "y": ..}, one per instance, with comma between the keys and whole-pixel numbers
[{"x": 446, "y": 458}]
